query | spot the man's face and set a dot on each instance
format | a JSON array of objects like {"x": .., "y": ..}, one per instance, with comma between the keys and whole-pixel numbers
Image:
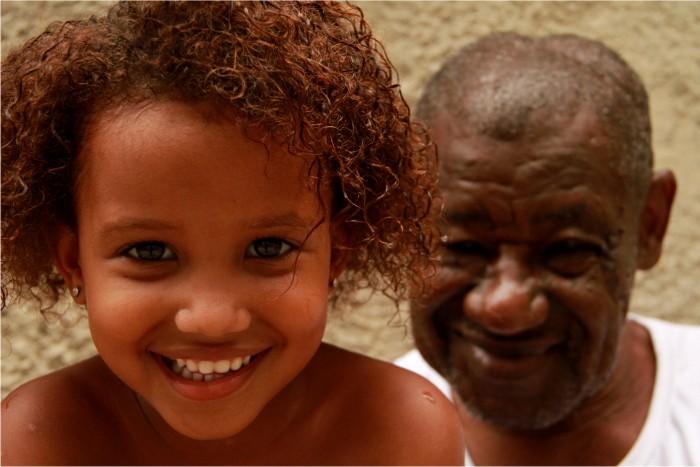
[{"x": 538, "y": 259}]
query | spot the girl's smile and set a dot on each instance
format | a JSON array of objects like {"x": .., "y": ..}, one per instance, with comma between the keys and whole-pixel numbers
[
  {"x": 203, "y": 178},
  {"x": 205, "y": 259},
  {"x": 208, "y": 379}
]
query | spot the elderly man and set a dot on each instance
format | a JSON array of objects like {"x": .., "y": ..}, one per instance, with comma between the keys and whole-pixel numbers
[{"x": 551, "y": 205}]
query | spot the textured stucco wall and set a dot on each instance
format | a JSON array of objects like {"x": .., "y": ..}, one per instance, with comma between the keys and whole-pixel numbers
[{"x": 661, "y": 40}]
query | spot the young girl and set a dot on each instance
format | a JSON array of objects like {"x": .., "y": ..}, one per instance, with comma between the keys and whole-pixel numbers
[{"x": 202, "y": 176}]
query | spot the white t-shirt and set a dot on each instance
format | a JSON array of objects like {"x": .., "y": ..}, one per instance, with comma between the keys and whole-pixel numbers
[{"x": 671, "y": 432}]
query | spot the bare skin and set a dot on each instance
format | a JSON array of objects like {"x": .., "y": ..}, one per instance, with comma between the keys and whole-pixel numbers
[
  {"x": 528, "y": 316},
  {"x": 334, "y": 414},
  {"x": 611, "y": 428},
  {"x": 196, "y": 244}
]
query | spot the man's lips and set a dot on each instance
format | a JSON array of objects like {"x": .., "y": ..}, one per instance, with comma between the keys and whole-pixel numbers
[
  {"x": 515, "y": 349},
  {"x": 531, "y": 343},
  {"x": 504, "y": 358}
]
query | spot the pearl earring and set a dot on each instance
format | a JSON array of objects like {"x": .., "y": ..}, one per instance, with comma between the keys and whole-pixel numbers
[{"x": 75, "y": 291}]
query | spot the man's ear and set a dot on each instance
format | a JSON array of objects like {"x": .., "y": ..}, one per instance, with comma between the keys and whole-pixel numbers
[
  {"x": 655, "y": 217},
  {"x": 64, "y": 250}
]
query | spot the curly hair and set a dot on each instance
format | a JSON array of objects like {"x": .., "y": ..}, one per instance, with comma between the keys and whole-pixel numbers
[{"x": 310, "y": 73}]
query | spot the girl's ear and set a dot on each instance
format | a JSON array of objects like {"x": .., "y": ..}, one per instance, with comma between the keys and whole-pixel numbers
[
  {"x": 655, "y": 217},
  {"x": 339, "y": 259},
  {"x": 340, "y": 252},
  {"x": 64, "y": 249}
]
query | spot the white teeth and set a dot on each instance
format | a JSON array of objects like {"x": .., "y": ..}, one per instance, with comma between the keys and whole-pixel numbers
[
  {"x": 207, "y": 370},
  {"x": 235, "y": 364},
  {"x": 206, "y": 367}
]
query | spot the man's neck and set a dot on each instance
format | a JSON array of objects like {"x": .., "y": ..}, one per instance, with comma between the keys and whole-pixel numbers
[{"x": 601, "y": 432}]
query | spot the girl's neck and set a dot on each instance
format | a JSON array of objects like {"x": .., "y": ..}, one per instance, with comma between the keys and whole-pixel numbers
[{"x": 262, "y": 442}]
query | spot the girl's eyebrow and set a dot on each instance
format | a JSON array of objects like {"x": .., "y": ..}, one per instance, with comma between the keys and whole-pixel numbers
[
  {"x": 287, "y": 219},
  {"x": 134, "y": 223}
]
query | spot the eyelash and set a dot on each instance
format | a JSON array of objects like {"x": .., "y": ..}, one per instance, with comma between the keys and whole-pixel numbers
[
  {"x": 284, "y": 248},
  {"x": 132, "y": 251},
  {"x": 565, "y": 247}
]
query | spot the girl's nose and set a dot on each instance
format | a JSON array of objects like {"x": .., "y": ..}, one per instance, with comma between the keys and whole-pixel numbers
[
  {"x": 213, "y": 314},
  {"x": 508, "y": 301}
]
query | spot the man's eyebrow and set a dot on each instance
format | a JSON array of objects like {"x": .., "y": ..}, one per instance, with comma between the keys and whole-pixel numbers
[
  {"x": 580, "y": 215},
  {"x": 577, "y": 215},
  {"x": 467, "y": 217}
]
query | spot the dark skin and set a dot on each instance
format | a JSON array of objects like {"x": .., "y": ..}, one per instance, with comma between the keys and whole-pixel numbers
[
  {"x": 569, "y": 442},
  {"x": 528, "y": 318},
  {"x": 98, "y": 420},
  {"x": 205, "y": 275}
]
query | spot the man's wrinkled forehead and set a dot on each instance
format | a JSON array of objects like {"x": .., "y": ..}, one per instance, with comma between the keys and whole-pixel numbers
[
  {"x": 572, "y": 164},
  {"x": 546, "y": 144}
]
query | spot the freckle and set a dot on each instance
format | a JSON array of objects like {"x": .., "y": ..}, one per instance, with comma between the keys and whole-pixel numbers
[
  {"x": 31, "y": 427},
  {"x": 428, "y": 395}
]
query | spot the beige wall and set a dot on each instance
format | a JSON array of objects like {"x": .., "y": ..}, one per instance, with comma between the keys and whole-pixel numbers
[{"x": 661, "y": 40}]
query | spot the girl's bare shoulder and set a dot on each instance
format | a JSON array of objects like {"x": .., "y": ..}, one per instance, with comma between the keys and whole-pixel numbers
[
  {"x": 392, "y": 415},
  {"x": 60, "y": 418}
]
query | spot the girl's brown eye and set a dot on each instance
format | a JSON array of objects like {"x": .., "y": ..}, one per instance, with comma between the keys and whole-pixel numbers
[
  {"x": 150, "y": 251},
  {"x": 268, "y": 248}
]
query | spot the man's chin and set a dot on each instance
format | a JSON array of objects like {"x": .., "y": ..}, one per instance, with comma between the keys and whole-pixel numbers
[{"x": 521, "y": 416}]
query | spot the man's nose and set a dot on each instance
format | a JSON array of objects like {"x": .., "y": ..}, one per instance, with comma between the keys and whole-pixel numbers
[
  {"x": 509, "y": 300},
  {"x": 214, "y": 311}
]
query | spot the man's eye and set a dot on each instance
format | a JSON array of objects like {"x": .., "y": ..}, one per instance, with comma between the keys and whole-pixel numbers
[
  {"x": 268, "y": 248},
  {"x": 572, "y": 257},
  {"x": 573, "y": 247},
  {"x": 465, "y": 248},
  {"x": 464, "y": 253},
  {"x": 150, "y": 251}
]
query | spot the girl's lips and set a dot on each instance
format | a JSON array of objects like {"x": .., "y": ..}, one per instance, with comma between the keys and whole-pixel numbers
[{"x": 204, "y": 384}]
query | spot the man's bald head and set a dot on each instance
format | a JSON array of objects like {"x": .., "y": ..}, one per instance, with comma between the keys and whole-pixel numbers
[{"x": 510, "y": 87}]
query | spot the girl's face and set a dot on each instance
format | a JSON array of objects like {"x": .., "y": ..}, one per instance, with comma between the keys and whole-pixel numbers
[{"x": 204, "y": 260}]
